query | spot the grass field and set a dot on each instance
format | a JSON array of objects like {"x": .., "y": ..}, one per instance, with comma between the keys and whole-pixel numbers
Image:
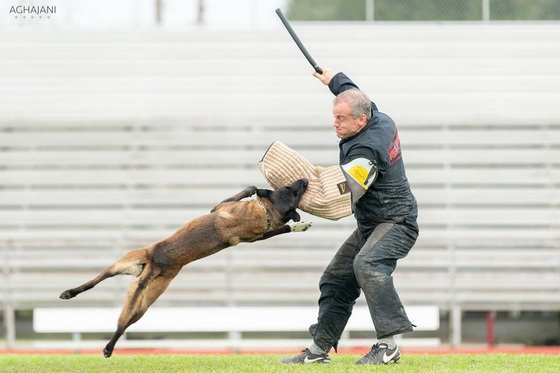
[{"x": 486, "y": 363}]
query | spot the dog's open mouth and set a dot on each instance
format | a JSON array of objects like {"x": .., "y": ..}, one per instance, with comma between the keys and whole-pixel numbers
[{"x": 300, "y": 186}]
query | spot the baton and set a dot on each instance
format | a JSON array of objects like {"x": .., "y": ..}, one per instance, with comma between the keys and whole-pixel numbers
[{"x": 298, "y": 42}]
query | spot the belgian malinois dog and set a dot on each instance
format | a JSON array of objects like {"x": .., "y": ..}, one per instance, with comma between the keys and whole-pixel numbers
[{"x": 229, "y": 223}]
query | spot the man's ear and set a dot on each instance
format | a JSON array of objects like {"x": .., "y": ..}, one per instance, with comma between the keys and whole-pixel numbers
[
  {"x": 363, "y": 120},
  {"x": 292, "y": 214},
  {"x": 265, "y": 193}
]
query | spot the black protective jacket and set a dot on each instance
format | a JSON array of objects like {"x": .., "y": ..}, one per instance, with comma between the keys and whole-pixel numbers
[{"x": 388, "y": 198}]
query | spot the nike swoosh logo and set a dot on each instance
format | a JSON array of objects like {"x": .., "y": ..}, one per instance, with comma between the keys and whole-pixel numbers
[
  {"x": 307, "y": 360},
  {"x": 386, "y": 358}
]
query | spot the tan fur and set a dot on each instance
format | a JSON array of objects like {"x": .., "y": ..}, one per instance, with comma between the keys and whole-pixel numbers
[{"x": 230, "y": 223}]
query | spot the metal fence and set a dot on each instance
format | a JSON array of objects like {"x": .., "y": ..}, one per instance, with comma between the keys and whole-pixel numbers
[{"x": 424, "y": 10}]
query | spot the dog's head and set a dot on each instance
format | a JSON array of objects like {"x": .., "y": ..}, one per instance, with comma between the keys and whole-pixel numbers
[{"x": 284, "y": 200}]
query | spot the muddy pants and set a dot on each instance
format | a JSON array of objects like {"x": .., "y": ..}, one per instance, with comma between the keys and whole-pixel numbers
[{"x": 364, "y": 262}]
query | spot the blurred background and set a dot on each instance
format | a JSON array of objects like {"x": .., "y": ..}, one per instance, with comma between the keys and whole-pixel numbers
[{"x": 121, "y": 120}]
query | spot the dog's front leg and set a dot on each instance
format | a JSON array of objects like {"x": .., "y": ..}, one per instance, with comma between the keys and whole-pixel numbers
[
  {"x": 287, "y": 228},
  {"x": 247, "y": 192}
]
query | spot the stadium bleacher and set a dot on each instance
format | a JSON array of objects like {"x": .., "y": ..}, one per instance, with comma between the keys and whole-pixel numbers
[{"x": 111, "y": 141}]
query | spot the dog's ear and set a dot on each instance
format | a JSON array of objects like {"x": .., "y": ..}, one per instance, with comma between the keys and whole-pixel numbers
[
  {"x": 265, "y": 193},
  {"x": 292, "y": 214}
]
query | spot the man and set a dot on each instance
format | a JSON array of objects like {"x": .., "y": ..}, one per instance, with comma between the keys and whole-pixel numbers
[{"x": 386, "y": 212}]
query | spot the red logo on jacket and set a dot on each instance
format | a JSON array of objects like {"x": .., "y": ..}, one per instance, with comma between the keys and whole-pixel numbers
[{"x": 394, "y": 149}]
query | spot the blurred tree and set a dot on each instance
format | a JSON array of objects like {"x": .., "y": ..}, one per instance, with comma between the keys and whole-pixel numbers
[
  {"x": 525, "y": 10},
  {"x": 422, "y": 10},
  {"x": 428, "y": 10},
  {"x": 326, "y": 10}
]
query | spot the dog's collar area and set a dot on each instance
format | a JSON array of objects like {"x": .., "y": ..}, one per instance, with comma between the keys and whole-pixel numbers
[{"x": 268, "y": 220}]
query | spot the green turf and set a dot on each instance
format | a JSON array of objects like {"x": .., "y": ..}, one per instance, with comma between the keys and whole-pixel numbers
[{"x": 271, "y": 363}]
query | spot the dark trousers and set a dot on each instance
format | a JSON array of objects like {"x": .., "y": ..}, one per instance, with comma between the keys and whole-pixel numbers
[{"x": 364, "y": 262}]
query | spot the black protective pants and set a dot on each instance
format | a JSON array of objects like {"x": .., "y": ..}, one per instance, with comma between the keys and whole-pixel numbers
[{"x": 366, "y": 263}]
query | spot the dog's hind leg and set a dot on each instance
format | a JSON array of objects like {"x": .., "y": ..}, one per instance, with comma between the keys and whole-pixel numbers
[
  {"x": 142, "y": 294},
  {"x": 131, "y": 263}
]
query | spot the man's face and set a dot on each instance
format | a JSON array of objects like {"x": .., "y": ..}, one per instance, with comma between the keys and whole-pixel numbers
[{"x": 345, "y": 125}]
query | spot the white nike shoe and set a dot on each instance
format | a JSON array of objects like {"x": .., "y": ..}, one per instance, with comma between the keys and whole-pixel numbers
[
  {"x": 306, "y": 357},
  {"x": 380, "y": 354}
]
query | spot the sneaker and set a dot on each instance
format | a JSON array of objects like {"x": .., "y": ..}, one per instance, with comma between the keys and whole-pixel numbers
[
  {"x": 306, "y": 357},
  {"x": 380, "y": 354}
]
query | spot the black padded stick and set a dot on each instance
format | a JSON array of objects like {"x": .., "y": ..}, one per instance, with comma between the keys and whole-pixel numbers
[{"x": 298, "y": 42}]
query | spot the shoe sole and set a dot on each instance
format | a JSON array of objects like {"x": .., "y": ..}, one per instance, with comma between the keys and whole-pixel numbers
[
  {"x": 304, "y": 363},
  {"x": 393, "y": 361}
]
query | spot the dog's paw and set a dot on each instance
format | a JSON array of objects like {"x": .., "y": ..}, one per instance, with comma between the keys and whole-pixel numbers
[
  {"x": 301, "y": 226},
  {"x": 107, "y": 352}
]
